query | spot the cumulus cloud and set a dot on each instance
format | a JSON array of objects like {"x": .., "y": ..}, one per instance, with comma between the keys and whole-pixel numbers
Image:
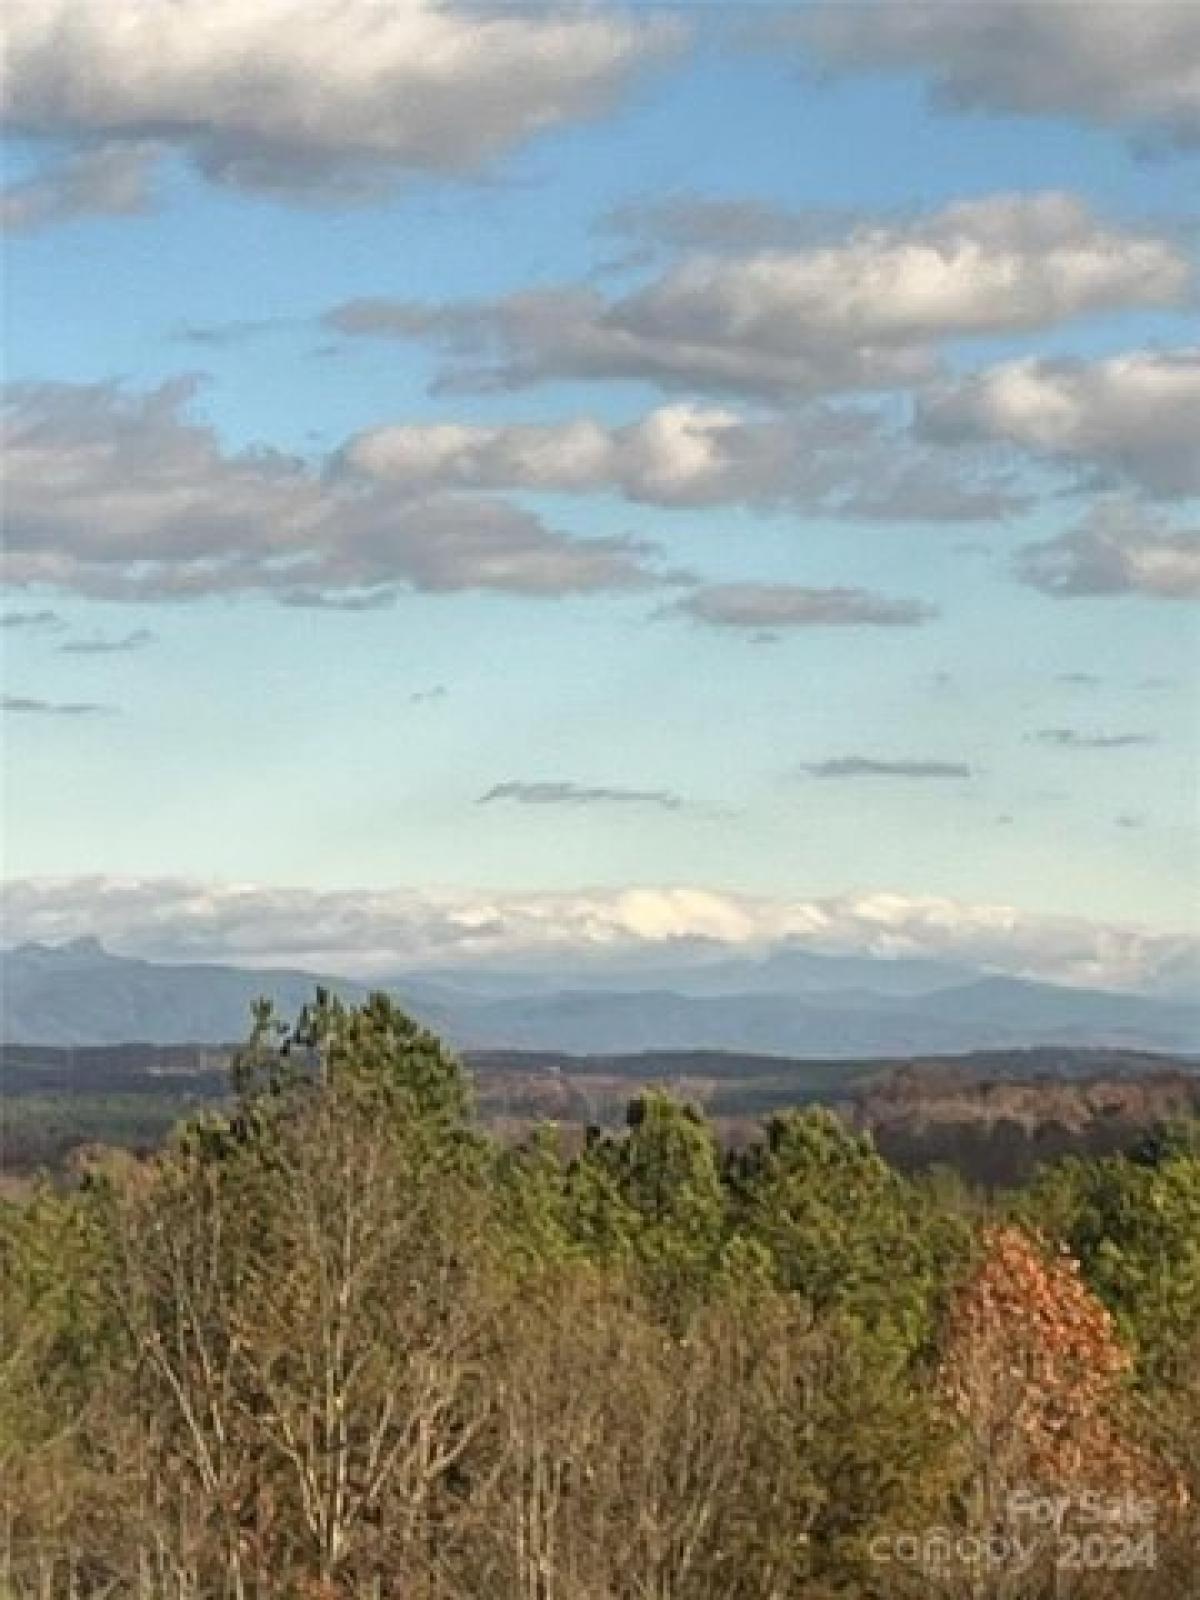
[
  {"x": 377, "y": 931},
  {"x": 25, "y": 705},
  {"x": 122, "y": 644},
  {"x": 1004, "y": 263},
  {"x": 821, "y": 459},
  {"x": 1133, "y": 417},
  {"x": 114, "y": 181},
  {"x": 859, "y": 312},
  {"x": 324, "y": 97},
  {"x": 127, "y": 496},
  {"x": 773, "y": 606},
  {"x": 1120, "y": 549},
  {"x": 1116, "y": 65},
  {"x": 574, "y": 332},
  {"x": 1075, "y": 739},
  {"x": 871, "y": 767},
  {"x": 557, "y": 792}
]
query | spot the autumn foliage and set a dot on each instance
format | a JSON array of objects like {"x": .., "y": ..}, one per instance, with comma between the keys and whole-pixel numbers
[{"x": 1032, "y": 1362}]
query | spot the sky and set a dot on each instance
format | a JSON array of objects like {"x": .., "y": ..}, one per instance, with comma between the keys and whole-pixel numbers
[{"x": 486, "y": 480}]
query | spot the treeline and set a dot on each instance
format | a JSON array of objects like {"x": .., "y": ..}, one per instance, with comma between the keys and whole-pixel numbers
[{"x": 336, "y": 1343}]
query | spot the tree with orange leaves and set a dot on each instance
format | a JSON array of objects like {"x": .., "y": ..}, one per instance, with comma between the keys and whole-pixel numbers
[
  {"x": 1032, "y": 1363},
  {"x": 1033, "y": 1367}
]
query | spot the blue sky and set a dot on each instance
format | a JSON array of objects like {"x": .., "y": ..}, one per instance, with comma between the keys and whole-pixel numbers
[{"x": 816, "y": 531}]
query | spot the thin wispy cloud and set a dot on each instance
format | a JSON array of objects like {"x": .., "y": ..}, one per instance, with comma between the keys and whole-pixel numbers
[
  {"x": 32, "y": 621},
  {"x": 560, "y": 792},
  {"x": 25, "y": 705},
  {"x": 122, "y": 644},
  {"x": 875, "y": 767},
  {"x": 229, "y": 335},
  {"x": 1079, "y": 739},
  {"x": 778, "y": 607}
]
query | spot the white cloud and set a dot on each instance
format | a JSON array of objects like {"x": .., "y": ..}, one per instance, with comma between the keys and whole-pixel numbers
[
  {"x": 863, "y": 311},
  {"x": 1004, "y": 263},
  {"x": 1134, "y": 416},
  {"x": 377, "y": 931},
  {"x": 839, "y": 462},
  {"x": 570, "y": 455},
  {"x": 1114, "y": 63},
  {"x": 1120, "y": 549},
  {"x": 315, "y": 95},
  {"x": 126, "y": 496}
]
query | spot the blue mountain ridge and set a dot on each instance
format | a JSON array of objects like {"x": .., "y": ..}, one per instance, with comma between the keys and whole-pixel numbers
[{"x": 795, "y": 1003}]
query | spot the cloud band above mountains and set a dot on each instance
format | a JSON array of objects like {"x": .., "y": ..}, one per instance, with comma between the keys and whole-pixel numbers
[{"x": 374, "y": 931}]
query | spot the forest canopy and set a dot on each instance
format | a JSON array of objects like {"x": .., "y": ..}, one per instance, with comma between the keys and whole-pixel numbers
[{"x": 337, "y": 1341}]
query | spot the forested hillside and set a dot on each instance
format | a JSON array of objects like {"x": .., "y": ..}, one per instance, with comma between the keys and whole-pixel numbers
[
  {"x": 336, "y": 1342},
  {"x": 992, "y": 1115}
]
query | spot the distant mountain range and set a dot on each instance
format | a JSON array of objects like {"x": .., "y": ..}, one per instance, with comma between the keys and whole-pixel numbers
[{"x": 792, "y": 1002}]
